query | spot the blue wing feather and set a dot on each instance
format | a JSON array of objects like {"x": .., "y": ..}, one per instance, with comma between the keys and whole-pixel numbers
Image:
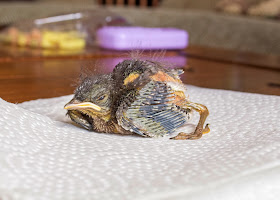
[{"x": 152, "y": 113}]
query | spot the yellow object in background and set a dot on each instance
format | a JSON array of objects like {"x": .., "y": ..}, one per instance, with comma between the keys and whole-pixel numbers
[
  {"x": 22, "y": 40},
  {"x": 62, "y": 40},
  {"x": 66, "y": 40}
]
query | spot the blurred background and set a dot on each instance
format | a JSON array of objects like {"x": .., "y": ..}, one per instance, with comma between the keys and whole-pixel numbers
[
  {"x": 243, "y": 25},
  {"x": 232, "y": 44}
]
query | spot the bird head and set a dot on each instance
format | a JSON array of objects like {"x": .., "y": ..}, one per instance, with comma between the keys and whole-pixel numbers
[{"x": 92, "y": 101}]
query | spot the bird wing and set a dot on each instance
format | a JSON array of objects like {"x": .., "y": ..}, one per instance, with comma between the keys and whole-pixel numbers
[{"x": 151, "y": 111}]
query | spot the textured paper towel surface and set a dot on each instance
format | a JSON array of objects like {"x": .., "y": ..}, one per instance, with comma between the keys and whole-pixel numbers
[{"x": 44, "y": 156}]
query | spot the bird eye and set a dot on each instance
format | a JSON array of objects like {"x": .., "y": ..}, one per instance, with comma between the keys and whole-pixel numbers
[{"x": 101, "y": 98}]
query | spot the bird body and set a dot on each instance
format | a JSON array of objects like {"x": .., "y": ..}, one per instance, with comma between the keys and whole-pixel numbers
[{"x": 138, "y": 97}]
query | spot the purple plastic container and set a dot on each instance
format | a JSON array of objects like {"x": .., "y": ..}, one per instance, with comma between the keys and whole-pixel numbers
[{"x": 129, "y": 38}]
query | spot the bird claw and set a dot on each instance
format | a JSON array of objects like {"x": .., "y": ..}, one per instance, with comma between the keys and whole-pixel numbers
[
  {"x": 199, "y": 131},
  {"x": 193, "y": 136}
]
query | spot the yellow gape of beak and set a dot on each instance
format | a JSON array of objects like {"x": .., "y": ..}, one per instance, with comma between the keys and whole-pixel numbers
[{"x": 82, "y": 106}]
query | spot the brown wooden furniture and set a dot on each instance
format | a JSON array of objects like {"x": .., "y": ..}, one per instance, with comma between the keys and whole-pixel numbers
[
  {"x": 141, "y": 3},
  {"x": 27, "y": 74}
]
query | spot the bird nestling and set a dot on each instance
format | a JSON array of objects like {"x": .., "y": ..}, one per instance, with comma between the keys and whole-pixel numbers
[{"x": 138, "y": 97}]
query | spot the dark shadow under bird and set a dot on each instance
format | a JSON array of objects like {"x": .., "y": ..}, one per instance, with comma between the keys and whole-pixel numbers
[{"x": 138, "y": 97}]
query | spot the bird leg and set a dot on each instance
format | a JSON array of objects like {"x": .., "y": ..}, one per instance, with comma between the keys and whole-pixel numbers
[{"x": 199, "y": 130}]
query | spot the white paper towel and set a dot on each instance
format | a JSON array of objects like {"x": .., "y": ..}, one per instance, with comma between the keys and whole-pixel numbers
[{"x": 44, "y": 156}]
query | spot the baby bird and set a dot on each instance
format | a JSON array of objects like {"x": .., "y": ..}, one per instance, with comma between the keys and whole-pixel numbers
[{"x": 138, "y": 97}]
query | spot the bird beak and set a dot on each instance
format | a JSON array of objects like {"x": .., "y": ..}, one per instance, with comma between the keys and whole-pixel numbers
[{"x": 77, "y": 106}]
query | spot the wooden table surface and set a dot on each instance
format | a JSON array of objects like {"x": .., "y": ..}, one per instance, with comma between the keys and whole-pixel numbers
[{"x": 31, "y": 74}]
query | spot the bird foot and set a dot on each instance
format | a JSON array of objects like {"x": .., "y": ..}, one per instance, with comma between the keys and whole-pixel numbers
[{"x": 193, "y": 136}]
